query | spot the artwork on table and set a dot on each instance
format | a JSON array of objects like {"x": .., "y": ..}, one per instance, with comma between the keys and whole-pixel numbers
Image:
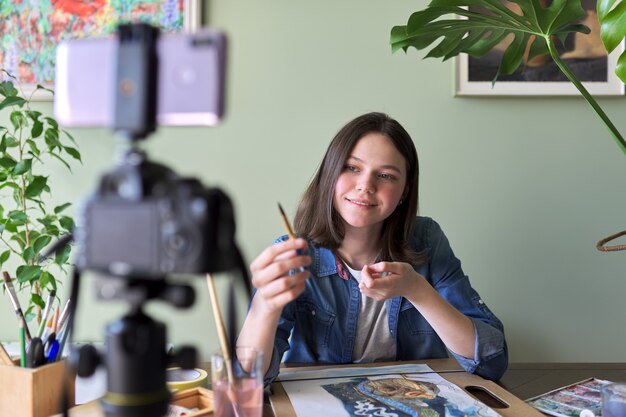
[
  {"x": 384, "y": 392},
  {"x": 31, "y": 30},
  {"x": 584, "y": 54},
  {"x": 571, "y": 400}
]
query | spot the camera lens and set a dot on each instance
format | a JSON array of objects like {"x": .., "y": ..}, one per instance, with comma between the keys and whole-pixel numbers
[{"x": 178, "y": 242}]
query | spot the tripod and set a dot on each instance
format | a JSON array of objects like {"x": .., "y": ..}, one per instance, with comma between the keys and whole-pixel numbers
[{"x": 135, "y": 356}]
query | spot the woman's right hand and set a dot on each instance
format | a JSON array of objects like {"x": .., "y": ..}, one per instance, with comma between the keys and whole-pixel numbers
[{"x": 270, "y": 274}]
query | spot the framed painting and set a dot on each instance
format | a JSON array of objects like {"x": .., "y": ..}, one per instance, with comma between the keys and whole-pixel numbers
[
  {"x": 31, "y": 30},
  {"x": 584, "y": 54}
]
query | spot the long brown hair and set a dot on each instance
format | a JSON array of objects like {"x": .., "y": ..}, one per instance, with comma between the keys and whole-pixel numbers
[{"x": 316, "y": 218}]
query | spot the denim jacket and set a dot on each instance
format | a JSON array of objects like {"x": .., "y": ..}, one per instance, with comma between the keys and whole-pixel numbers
[{"x": 322, "y": 321}]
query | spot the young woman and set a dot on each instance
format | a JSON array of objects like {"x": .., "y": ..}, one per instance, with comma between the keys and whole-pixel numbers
[{"x": 367, "y": 280}]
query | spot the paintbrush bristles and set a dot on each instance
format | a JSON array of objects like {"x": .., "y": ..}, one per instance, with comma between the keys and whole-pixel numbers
[{"x": 287, "y": 225}]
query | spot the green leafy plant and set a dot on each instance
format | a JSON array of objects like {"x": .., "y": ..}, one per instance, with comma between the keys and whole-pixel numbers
[
  {"x": 465, "y": 28},
  {"x": 27, "y": 223}
]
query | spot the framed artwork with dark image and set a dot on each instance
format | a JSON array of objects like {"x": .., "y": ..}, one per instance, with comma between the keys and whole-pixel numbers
[
  {"x": 584, "y": 54},
  {"x": 31, "y": 31}
]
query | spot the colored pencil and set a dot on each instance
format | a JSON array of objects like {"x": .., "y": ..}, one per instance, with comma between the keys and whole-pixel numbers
[{"x": 22, "y": 345}]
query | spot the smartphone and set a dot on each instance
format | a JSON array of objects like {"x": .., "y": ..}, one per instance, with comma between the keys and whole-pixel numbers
[{"x": 191, "y": 80}]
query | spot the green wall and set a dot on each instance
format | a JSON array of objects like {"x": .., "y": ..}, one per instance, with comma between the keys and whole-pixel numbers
[{"x": 524, "y": 187}]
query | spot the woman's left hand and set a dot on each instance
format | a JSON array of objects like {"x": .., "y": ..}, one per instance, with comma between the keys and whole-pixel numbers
[{"x": 384, "y": 280}]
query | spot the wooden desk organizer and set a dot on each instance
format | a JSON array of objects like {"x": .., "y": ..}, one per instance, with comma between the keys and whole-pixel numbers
[
  {"x": 34, "y": 392},
  {"x": 200, "y": 398}
]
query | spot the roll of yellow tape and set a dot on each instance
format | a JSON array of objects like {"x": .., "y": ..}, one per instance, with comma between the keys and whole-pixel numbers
[{"x": 179, "y": 379}]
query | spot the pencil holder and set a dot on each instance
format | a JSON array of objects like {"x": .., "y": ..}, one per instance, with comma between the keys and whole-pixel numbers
[{"x": 34, "y": 392}]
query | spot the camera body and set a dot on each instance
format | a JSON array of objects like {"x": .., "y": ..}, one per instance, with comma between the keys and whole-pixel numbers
[{"x": 145, "y": 221}]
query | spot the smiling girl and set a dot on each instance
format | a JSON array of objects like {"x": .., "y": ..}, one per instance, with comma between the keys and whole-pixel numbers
[{"x": 381, "y": 283}]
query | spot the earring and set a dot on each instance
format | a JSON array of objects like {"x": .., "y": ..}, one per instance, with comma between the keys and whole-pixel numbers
[{"x": 400, "y": 202}]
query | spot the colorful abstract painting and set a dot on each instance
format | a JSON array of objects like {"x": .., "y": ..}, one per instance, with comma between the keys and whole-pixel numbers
[
  {"x": 420, "y": 394},
  {"x": 31, "y": 30}
]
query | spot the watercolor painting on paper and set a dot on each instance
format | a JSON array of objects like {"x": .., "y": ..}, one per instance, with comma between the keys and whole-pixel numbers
[{"x": 424, "y": 394}]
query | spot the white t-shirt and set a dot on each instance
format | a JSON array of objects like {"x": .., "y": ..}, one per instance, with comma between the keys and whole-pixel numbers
[{"x": 374, "y": 342}]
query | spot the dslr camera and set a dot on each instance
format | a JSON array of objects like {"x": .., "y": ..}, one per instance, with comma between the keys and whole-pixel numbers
[{"x": 145, "y": 221}]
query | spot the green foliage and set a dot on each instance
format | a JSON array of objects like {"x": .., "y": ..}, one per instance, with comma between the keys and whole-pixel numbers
[
  {"x": 480, "y": 31},
  {"x": 612, "y": 17},
  {"x": 27, "y": 224},
  {"x": 476, "y": 26}
]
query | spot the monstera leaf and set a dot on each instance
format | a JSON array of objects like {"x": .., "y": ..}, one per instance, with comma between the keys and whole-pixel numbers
[
  {"x": 476, "y": 26},
  {"x": 612, "y": 19},
  {"x": 480, "y": 31}
]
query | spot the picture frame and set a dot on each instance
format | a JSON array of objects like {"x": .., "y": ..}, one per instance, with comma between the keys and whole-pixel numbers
[
  {"x": 32, "y": 30},
  {"x": 584, "y": 54}
]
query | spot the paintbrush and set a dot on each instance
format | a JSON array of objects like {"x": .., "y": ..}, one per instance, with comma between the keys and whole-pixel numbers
[
  {"x": 292, "y": 236},
  {"x": 221, "y": 329},
  {"x": 46, "y": 313},
  {"x": 223, "y": 338},
  {"x": 8, "y": 284}
]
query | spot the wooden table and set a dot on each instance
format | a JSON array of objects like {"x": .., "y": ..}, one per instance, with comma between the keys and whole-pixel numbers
[
  {"x": 527, "y": 380},
  {"x": 523, "y": 380}
]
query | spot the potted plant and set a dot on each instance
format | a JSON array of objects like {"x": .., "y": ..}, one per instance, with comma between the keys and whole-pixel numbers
[
  {"x": 28, "y": 223},
  {"x": 475, "y": 27}
]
